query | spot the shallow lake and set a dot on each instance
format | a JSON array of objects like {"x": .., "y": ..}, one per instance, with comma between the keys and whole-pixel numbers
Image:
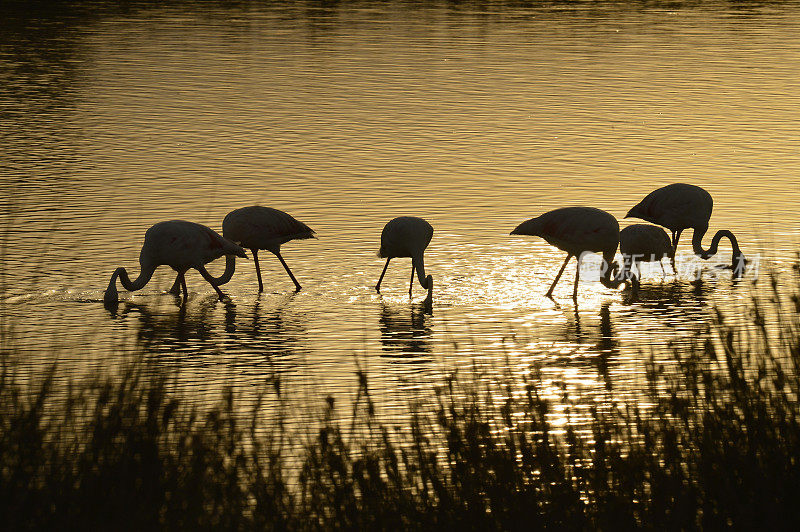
[{"x": 474, "y": 116}]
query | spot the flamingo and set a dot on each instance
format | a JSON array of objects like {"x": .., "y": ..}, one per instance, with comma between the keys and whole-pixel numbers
[
  {"x": 577, "y": 230},
  {"x": 407, "y": 236},
  {"x": 180, "y": 245},
  {"x": 643, "y": 243},
  {"x": 680, "y": 206},
  {"x": 257, "y": 228}
]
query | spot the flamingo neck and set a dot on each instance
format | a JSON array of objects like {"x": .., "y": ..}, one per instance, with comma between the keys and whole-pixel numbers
[
  {"x": 607, "y": 277},
  {"x": 110, "y": 297},
  {"x": 429, "y": 297},
  {"x": 144, "y": 277},
  {"x": 230, "y": 268},
  {"x": 697, "y": 245},
  {"x": 419, "y": 267}
]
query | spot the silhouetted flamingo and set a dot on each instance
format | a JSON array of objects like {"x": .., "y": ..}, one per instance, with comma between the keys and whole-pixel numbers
[
  {"x": 643, "y": 243},
  {"x": 257, "y": 228},
  {"x": 577, "y": 230},
  {"x": 680, "y": 206},
  {"x": 180, "y": 245},
  {"x": 407, "y": 236}
]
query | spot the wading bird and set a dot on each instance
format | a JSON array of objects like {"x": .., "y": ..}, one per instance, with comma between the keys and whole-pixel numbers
[
  {"x": 407, "y": 236},
  {"x": 680, "y": 206},
  {"x": 577, "y": 230},
  {"x": 180, "y": 245},
  {"x": 643, "y": 243},
  {"x": 257, "y": 228}
]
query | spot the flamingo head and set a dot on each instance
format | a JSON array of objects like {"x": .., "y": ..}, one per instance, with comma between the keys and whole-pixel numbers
[
  {"x": 429, "y": 298},
  {"x": 111, "y": 296},
  {"x": 239, "y": 251},
  {"x": 612, "y": 276}
]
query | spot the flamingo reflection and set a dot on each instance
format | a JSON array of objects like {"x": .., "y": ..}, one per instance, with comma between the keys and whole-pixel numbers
[{"x": 406, "y": 332}]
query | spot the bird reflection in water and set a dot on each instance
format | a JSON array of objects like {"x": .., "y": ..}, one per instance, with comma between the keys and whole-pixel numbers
[
  {"x": 163, "y": 331},
  {"x": 606, "y": 345},
  {"x": 667, "y": 312},
  {"x": 406, "y": 333},
  {"x": 244, "y": 338},
  {"x": 270, "y": 329},
  {"x": 668, "y": 295}
]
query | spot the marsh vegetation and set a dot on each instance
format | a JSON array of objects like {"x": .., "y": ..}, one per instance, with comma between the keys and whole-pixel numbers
[{"x": 715, "y": 443}]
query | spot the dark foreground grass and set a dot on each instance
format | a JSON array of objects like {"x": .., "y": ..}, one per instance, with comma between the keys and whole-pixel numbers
[{"x": 716, "y": 445}]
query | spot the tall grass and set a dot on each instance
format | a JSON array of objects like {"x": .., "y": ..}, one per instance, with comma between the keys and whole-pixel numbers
[{"x": 717, "y": 444}]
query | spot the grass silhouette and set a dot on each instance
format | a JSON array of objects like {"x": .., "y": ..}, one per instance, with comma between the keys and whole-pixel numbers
[{"x": 717, "y": 445}]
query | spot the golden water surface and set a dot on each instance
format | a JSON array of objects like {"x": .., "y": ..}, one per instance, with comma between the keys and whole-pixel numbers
[{"x": 474, "y": 116}]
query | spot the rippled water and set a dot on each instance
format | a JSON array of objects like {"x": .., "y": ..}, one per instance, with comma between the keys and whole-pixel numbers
[{"x": 475, "y": 116}]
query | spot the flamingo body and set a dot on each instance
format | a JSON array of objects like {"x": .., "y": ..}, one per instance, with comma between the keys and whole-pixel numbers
[
  {"x": 643, "y": 243},
  {"x": 647, "y": 242},
  {"x": 263, "y": 228},
  {"x": 266, "y": 228},
  {"x": 407, "y": 236},
  {"x": 577, "y": 230},
  {"x": 677, "y": 206},
  {"x": 180, "y": 245},
  {"x": 681, "y": 206},
  {"x": 183, "y": 245}
]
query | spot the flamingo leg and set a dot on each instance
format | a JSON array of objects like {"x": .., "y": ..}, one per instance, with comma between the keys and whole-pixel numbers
[
  {"x": 638, "y": 267},
  {"x": 676, "y": 235},
  {"x": 182, "y": 275},
  {"x": 577, "y": 278},
  {"x": 663, "y": 271},
  {"x": 286, "y": 267},
  {"x": 637, "y": 280},
  {"x": 627, "y": 266},
  {"x": 176, "y": 286},
  {"x": 411, "y": 285},
  {"x": 552, "y": 286},
  {"x": 380, "y": 279},
  {"x": 207, "y": 277},
  {"x": 258, "y": 269}
]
